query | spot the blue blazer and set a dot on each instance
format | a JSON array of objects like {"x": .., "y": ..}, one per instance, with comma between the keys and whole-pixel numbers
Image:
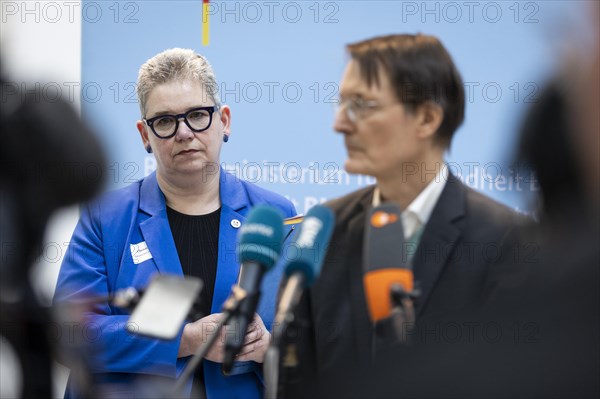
[{"x": 99, "y": 261}]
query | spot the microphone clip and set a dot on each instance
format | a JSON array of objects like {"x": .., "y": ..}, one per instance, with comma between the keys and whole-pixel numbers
[
  {"x": 403, "y": 311},
  {"x": 238, "y": 294},
  {"x": 400, "y": 296}
]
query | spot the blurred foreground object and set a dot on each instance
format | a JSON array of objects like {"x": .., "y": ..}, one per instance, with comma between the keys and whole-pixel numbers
[{"x": 49, "y": 159}]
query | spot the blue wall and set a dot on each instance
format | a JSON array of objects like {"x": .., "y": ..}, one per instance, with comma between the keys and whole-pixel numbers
[{"x": 279, "y": 64}]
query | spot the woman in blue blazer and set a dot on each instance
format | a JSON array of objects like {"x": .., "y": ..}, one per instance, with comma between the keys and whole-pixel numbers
[{"x": 129, "y": 235}]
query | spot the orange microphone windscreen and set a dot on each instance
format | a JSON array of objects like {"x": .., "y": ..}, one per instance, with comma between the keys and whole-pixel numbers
[{"x": 378, "y": 284}]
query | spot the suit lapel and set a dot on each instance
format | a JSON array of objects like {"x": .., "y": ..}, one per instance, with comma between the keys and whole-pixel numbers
[
  {"x": 156, "y": 229},
  {"x": 439, "y": 238},
  {"x": 234, "y": 207},
  {"x": 228, "y": 267}
]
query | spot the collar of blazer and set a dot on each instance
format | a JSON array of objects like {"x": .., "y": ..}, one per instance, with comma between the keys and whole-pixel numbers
[
  {"x": 449, "y": 207},
  {"x": 157, "y": 234},
  {"x": 233, "y": 194}
]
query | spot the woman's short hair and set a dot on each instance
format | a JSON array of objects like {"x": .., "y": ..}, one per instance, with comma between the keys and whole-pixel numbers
[{"x": 173, "y": 65}]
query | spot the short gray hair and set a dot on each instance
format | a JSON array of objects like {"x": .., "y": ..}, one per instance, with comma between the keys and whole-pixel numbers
[{"x": 173, "y": 65}]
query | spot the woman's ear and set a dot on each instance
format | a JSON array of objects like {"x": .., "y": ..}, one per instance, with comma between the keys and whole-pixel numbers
[
  {"x": 225, "y": 117},
  {"x": 142, "y": 129}
]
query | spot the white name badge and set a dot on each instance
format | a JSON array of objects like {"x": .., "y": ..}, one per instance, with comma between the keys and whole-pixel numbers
[{"x": 140, "y": 252}]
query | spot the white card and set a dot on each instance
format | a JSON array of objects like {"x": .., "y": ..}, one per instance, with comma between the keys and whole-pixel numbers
[{"x": 140, "y": 252}]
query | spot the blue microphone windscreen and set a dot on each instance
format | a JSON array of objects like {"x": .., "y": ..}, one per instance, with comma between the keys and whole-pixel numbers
[
  {"x": 261, "y": 236},
  {"x": 307, "y": 252}
]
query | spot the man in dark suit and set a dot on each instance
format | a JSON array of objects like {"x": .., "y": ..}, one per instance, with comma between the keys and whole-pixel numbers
[{"x": 401, "y": 100}]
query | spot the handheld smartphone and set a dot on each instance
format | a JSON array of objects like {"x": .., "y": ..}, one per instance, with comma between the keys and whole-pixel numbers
[{"x": 164, "y": 306}]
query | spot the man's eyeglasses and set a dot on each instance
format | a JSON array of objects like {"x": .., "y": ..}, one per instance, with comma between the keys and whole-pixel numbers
[
  {"x": 355, "y": 107},
  {"x": 197, "y": 119}
]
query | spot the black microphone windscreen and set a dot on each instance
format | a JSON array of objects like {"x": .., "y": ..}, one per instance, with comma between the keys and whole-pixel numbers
[{"x": 384, "y": 239}]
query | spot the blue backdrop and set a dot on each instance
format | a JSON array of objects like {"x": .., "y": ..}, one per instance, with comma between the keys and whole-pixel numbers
[{"x": 279, "y": 63}]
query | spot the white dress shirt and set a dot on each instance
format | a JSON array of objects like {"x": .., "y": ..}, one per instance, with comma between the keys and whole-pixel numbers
[{"x": 418, "y": 212}]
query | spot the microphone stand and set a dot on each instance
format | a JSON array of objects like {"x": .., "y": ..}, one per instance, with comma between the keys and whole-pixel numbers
[
  {"x": 230, "y": 308},
  {"x": 283, "y": 319},
  {"x": 271, "y": 371},
  {"x": 126, "y": 298}
]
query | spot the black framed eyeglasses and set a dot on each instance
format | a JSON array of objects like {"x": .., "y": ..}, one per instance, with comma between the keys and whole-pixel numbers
[{"x": 197, "y": 119}]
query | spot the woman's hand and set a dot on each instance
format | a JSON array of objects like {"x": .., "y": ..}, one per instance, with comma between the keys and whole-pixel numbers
[{"x": 256, "y": 340}]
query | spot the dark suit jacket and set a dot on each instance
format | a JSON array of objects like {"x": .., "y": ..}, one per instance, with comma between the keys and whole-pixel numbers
[{"x": 462, "y": 253}]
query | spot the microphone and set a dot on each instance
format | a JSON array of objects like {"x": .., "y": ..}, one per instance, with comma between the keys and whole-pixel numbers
[
  {"x": 260, "y": 240},
  {"x": 311, "y": 242},
  {"x": 388, "y": 279}
]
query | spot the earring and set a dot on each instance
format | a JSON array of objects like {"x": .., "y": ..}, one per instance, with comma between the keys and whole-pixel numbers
[
  {"x": 225, "y": 138},
  {"x": 149, "y": 149}
]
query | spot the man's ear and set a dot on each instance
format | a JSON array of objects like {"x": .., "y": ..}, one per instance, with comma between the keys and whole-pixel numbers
[{"x": 429, "y": 116}]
